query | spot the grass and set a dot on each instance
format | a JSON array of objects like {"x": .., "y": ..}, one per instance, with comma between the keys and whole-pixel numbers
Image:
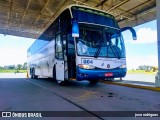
[{"x": 13, "y": 71}]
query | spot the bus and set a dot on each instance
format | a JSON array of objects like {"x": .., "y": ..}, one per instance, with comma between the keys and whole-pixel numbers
[{"x": 82, "y": 43}]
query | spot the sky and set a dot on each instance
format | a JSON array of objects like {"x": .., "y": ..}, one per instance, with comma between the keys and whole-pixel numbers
[
  {"x": 143, "y": 51},
  {"x": 13, "y": 49}
]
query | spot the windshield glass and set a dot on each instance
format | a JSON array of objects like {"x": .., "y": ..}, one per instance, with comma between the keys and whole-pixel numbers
[{"x": 100, "y": 43}]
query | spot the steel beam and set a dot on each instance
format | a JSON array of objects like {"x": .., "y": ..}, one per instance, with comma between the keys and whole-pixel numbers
[
  {"x": 9, "y": 13},
  {"x": 118, "y": 5},
  {"x": 44, "y": 7},
  {"x": 26, "y": 10},
  {"x": 85, "y": 1},
  {"x": 101, "y": 3},
  {"x": 134, "y": 8}
]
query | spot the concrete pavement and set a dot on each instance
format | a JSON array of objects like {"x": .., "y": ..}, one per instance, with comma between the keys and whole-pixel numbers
[{"x": 23, "y": 94}]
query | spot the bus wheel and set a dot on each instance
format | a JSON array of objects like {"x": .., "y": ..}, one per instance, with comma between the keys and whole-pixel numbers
[
  {"x": 30, "y": 72},
  {"x": 61, "y": 83},
  {"x": 110, "y": 79},
  {"x": 33, "y": 74},
  {"x": 93, "y": 81},
  {"x": 54, "y": 73}
]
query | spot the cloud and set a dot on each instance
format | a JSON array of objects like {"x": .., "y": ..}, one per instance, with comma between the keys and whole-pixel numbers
[
  {"x": 146, "y": 36},
  {"x": 134, "y": 61}
]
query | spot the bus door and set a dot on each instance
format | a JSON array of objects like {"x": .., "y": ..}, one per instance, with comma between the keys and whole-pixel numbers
[
  {"x": 71, "y": 57},
  {"x": 59, "y": 54}
]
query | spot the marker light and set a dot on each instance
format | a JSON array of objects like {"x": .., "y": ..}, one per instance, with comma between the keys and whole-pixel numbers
[
  {"x": 123, "y": 66},
  {"x": 86, "y": 66}
]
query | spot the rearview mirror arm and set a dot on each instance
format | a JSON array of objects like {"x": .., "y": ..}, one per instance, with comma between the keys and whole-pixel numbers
[{"x": 134, "y": 35}]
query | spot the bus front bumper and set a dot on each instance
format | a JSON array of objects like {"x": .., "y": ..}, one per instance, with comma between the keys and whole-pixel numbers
[{"x": 85, "y": 74}]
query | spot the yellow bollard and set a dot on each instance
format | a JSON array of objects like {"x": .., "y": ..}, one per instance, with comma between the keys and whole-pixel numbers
[{"x": 27, "y": 75}]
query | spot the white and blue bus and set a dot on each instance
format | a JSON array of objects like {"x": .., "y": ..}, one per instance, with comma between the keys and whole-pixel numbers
[{"x": 82, "y": 43}]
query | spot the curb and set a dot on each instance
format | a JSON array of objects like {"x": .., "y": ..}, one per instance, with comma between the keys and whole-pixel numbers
[{"x": 132, "y": 85}]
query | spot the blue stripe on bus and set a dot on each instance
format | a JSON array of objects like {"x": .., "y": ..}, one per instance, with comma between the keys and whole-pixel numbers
[{"x": 84, "y": 74}]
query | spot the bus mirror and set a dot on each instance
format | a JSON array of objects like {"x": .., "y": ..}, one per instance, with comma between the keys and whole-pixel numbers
[
  {"x": 134, "y": 35},
  {"x": 75, "y": 28}
]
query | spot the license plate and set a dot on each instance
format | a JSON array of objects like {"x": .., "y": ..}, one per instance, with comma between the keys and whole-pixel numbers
[{"x": 108, "y": 74}]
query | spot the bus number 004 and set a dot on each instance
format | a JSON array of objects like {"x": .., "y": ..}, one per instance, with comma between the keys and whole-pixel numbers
[{"x": 88, "y": 61}]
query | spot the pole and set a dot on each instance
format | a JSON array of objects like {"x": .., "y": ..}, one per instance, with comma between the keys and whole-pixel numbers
[{"x": 157, "y": 78}]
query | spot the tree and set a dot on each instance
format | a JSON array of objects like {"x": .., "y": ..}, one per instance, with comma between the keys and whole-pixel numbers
[
  {"x": 19, "y": 67},
  {"x": 9, "y": 67},
  {"x": 25, "y": 66},
  {"x": 1, "y": 68}
]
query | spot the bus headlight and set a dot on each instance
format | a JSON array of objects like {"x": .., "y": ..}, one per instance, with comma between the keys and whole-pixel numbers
[
  {"x": 86, "y": 66},
  {"x": 123, "y": 66}
]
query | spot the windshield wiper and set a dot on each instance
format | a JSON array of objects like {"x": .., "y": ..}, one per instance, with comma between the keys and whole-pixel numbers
[
  {"x": 115, "y": 52},
  {"x": 97, "y": 51}
]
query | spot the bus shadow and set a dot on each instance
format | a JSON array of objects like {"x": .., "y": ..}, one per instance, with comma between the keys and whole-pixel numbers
[{"x": 69, "y": 83}]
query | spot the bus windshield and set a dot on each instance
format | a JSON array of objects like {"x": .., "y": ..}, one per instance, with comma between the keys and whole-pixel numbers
[{"x": 96, "y": 43}]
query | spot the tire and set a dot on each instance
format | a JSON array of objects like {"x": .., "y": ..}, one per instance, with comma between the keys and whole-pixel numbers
[
  {"x": 62, "y": 83},
  {"x": 54, "y": 73},
  {"x": 110, "y": 79},
  {"x": 33, "y": 74},
  {"x": 93, "y": 81}
]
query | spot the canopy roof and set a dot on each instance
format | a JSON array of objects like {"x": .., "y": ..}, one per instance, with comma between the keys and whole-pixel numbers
[{"x": 29, "y": 18}]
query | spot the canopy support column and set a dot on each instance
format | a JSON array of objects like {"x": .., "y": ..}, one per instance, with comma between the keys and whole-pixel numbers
[{"x": 157, "y": 80}]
